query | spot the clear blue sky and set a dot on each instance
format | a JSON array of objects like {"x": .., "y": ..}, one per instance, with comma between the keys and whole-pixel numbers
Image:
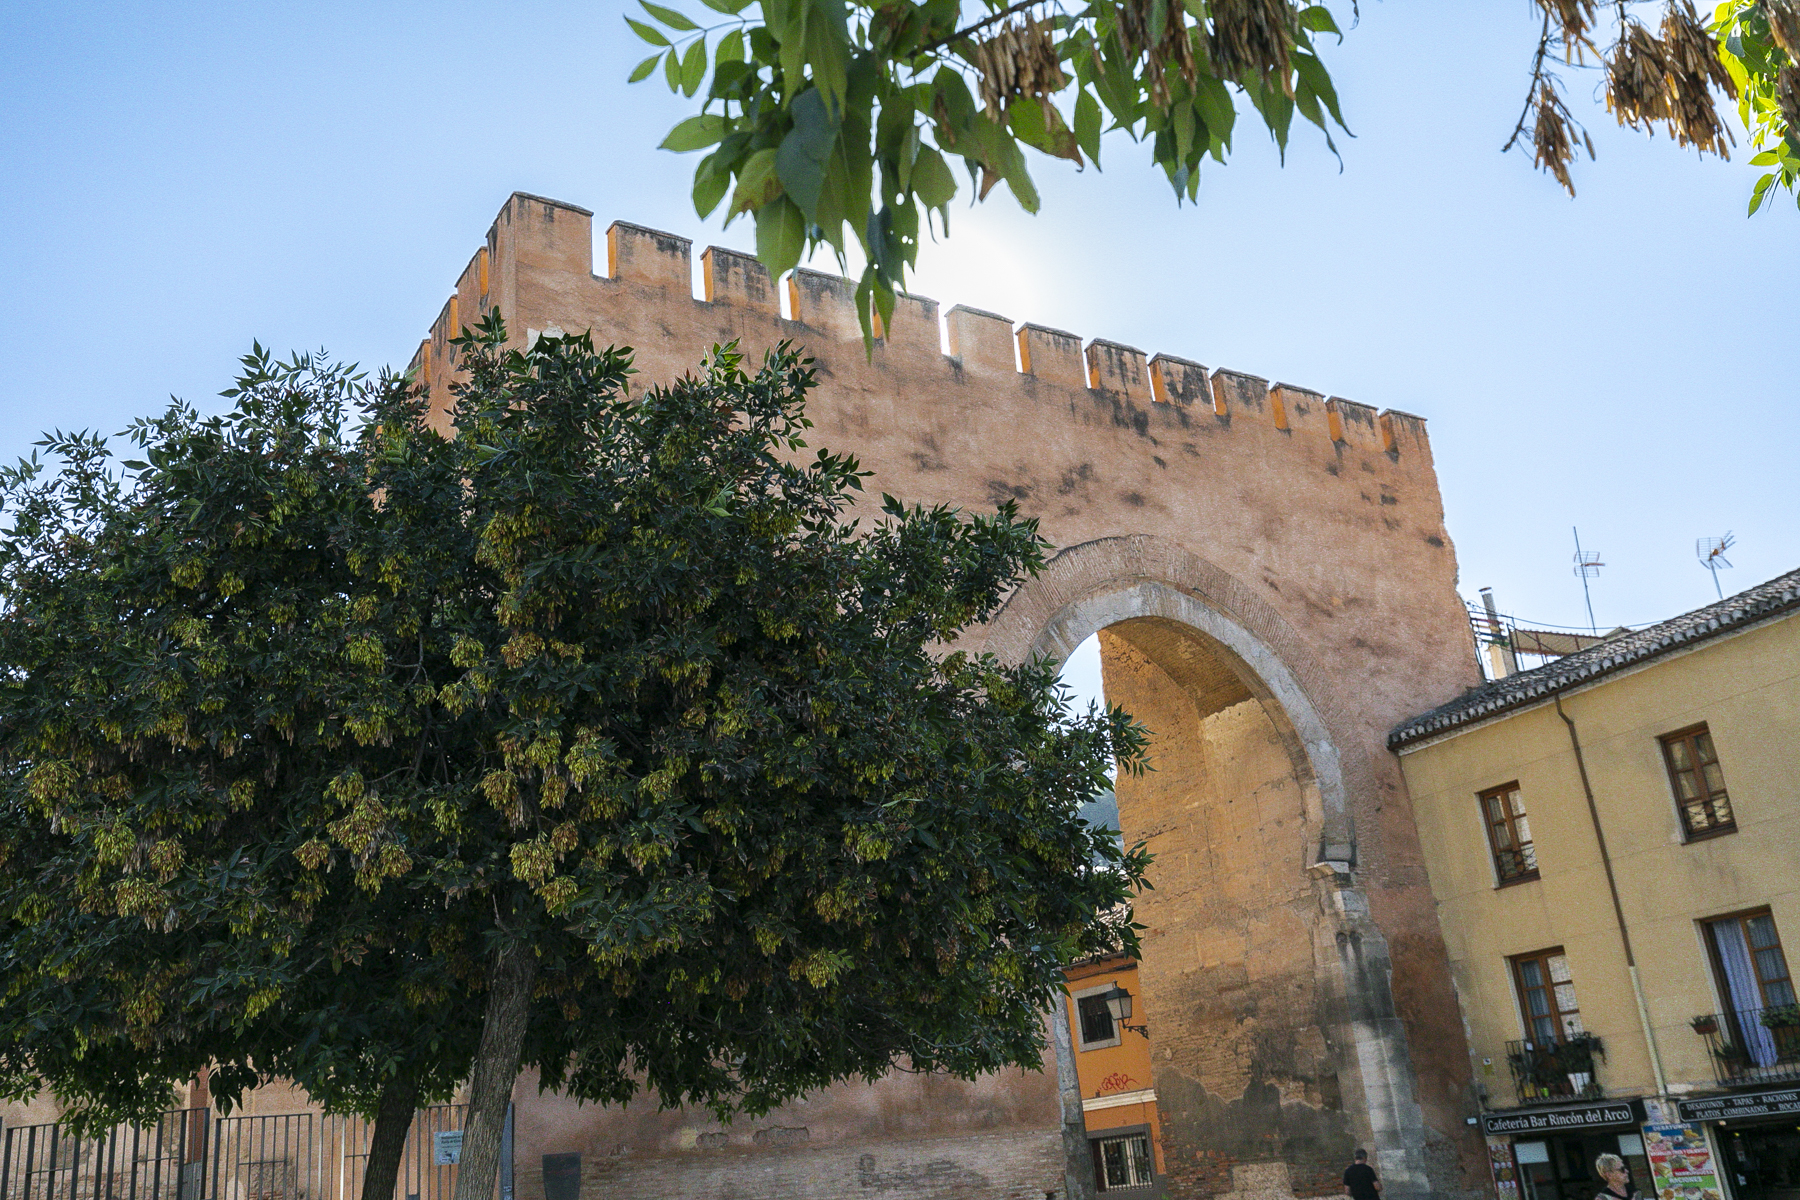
[{"x": 178, "y": 179}]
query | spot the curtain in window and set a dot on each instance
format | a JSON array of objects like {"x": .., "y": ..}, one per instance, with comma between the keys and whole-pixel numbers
[{"x": 1742, "y": 993}]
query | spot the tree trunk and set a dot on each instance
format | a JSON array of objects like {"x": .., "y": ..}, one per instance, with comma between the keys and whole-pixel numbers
[
  {"x": 496, "y": 1066},
  {"x": 393, "y": 1119}
]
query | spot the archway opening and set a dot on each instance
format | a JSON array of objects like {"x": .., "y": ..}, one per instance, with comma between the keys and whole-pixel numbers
[{"x": 1242, "y": 1065}]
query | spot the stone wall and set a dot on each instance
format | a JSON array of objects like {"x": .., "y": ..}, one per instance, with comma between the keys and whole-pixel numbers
[{"x": 1292, "y": 547}]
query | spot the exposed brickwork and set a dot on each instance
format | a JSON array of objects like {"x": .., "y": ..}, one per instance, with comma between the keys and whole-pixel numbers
[{"x": 1000, "y": 1166}]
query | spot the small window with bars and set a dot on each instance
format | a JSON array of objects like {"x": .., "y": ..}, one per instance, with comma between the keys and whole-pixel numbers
[
  {"x": 1123, "y": 1162},
  {"x": 1509, "y": 834},
  {"x": 1699, "y": 782},
  {"x": 1096, "y": 1019},
  {"x": 1547, "y": 996}
]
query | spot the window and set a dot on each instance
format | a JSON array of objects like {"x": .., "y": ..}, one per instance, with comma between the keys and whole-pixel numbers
[
  {"x": 1096, "y": 1019},
  {"x": 1547, "y": 996},
  {"x": 1754, "y": 977},
  {"x": 1699, "y": 782},
  {"x": 1509, "y": 834},
  {"x": 1123, "y": 1162}
]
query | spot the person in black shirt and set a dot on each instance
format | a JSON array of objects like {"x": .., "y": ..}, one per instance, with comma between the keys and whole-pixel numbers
[
  {"x": 1611, "y": 1168},
  {"x": 1359, "y": 1179}
]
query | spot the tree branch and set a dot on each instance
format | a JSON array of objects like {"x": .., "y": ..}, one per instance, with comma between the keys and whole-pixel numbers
[
  {"x": 1537, "y": 75},
  {"x": 977, "y": 27}
]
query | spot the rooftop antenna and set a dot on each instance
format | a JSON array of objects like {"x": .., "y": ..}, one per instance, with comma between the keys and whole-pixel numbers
[
  {"x": 1711, "y": 553},
  {"x": 1587, "y": 566}
]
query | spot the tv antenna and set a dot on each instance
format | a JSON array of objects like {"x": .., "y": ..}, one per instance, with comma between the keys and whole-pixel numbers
[
  {"x": 1711, "y": 553},
  {"x": 1587, "y": 566}
]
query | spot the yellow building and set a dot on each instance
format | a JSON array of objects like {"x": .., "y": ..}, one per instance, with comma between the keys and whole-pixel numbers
[
  {"x": 1613, "y": 843},
  {"x": 1110, "y": 1033}
]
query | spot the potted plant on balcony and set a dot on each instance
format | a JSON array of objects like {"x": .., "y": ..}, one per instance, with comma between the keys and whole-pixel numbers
[
  {"x": 1781, "y": 1016},
  {"x": 1732, "y": 1055},
  {"x": 1783, "y": 1021},
  {"x": 1705, "y": 1025},
  {"x": 1578, "y": 1062}
]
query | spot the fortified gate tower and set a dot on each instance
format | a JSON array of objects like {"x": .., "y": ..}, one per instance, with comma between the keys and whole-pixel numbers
[{"x": 1274, "y": 590}]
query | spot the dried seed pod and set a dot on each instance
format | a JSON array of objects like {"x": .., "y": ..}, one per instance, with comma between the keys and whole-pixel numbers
[
  {"x": 1692, "y": 50},
  {"x": 1174, "y": 51},
  {"x": 1553, "y": 136},
  {"x": 1694, "y": 71},
  {"x": 1637, "y": 78},
  {"x": 1784, "y": 25},
  {"x": 1019, "y": 59},
  {"x": 1787, "y": 94},
  {"x": 1252, "y": 36},
  {"x": 1574, "y": 19}
]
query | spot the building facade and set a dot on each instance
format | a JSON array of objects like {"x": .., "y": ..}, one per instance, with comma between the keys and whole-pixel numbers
[{"x": 1614, "y": 847}]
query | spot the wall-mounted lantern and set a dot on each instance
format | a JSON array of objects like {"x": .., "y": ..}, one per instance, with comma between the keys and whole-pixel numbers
[{"x": 1118, "y": 1003}]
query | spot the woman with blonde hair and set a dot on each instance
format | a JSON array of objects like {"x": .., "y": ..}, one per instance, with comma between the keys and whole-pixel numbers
[{"x": 1611, "y": 1168}]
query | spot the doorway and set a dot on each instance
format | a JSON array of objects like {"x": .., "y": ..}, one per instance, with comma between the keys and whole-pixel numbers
[{"x": 1763, "y": 1160}]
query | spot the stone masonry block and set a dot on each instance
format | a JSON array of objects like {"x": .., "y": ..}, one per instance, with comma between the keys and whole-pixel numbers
[
  {"x": 1179, "y": 381},
  {"x": 1118, "y": 369},
  {"x": 649, "y": 256},
  {"x": 981, "y": 340},
  {"x": 1052, "y": 355},
  {"x": 738, "y": 279}
]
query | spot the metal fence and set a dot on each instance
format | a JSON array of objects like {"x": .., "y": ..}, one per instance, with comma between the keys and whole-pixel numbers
[{"x": 193, "y": 1154}]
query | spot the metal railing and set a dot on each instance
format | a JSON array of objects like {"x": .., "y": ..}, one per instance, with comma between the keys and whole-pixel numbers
[
  {"x": 1557, "y": 1068},
  {"x": 1753, "y": 1045},
  {"x": 193, "y": 1154}
]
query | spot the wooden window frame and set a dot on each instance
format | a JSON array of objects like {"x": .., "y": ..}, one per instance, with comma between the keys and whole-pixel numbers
[
  {"x": 1743, "y": 920},
  {"x": 1522, "y": 989},
  {"x": 1691, "y": 735},
  {"x": 1526, "y": 848}
]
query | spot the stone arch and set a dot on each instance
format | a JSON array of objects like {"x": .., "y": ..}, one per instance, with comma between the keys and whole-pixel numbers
[{"x": 1210, "y": 635}]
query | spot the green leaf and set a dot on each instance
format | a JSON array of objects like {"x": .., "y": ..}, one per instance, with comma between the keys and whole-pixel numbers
[
  {"x": 693, "y": 67},
  {"x": 669, "y": 17},
  {"x": 711, "y": 179},
  {"x": 1767, "y": 158},
  {"x": 780, "y": 236},
  {"x": 730, "y": 48},
  {"x": 757, "y": 184},
  {"x": 1318, "y": 19},
  {"x": 643, "y": 69},
  {"x": 649, "y": 34},
  {"x": 805, "y": 153},
  {"x": 1087, "y": 124},
  {"x": 695, "y": 133},
  {"x": 672, "y": 71},
  {"x": 932, "y": 180},
  {"x": 729, "y": 7}
]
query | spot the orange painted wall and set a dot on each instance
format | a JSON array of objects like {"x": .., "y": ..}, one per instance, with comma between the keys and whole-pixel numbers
[{"x": 1114, "y": 1070}]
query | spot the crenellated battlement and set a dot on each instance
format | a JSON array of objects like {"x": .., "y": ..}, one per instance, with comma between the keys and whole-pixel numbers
[
  {"x": 962, "y": 405},
  {"x": 533, "y": 232}
]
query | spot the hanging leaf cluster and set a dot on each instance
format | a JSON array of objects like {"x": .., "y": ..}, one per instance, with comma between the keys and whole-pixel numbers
[{"x": 841, "y": 122}]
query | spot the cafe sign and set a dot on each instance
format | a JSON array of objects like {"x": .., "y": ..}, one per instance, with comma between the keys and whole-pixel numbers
[
  {"x": 1750, "y": 1104},
  {"x": 1555, "y": 1120}
]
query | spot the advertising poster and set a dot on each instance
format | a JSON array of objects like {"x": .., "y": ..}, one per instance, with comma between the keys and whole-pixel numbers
[
  {"x": 1506, "y": 1174},
  {"x": 1681, "y": 1163}
]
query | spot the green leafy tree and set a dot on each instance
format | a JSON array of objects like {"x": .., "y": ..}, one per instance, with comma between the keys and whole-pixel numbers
[
  {"x": 600, "y": 738},
  {"x": 837, "y": 122}
]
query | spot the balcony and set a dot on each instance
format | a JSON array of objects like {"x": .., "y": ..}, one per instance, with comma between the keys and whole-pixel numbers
[
  {"x": 1550, "y": 1069},
  {"x": 1753, "y": 1045}
]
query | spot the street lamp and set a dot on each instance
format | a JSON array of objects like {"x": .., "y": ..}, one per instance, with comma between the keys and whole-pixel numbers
[{"x": 1118, "y": 1003}]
